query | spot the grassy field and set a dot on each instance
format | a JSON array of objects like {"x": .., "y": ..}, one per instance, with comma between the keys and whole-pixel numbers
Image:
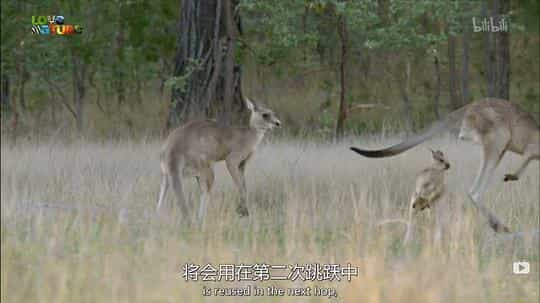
[{"x": 78, "y": 225}]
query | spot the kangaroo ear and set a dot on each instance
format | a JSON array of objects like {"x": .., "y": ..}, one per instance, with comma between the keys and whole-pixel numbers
[{"x": 249, "y": 105}]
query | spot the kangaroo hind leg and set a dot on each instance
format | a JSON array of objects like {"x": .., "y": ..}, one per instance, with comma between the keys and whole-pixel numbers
[
  {"x": 410, "y": 223},
  {"x": 163, "y": 190},
  {"x": 528, "y": 157},
  {"x": 206, "y": 181},
  {"x": 175, "y": 178},
  {"x": 494, "y": 146}
]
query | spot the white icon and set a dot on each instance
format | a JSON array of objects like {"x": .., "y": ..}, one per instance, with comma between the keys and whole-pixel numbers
[{"x": 521, "y": 268}]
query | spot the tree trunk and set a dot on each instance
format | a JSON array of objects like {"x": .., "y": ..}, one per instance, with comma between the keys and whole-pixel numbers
[
  {"x": 404, "y": 87},
  {"x": 23, "y": 78},
  {"x": 342, "y": 112},
  {"x": 502, "y": 56},
  {"x": 208, "y": 75},
  {"x": 304, "y": 30},
  {"x": 490, "y": 47},
  {"x": 452, "y": 70},
  {"x": 6, "y": 87},
  {"x": 78, "y": 69},
  {"x": 163, "y": 74},
  {"x": 437, "y": 99},
  {"x": 498, "y": 46},
  {"x": 53, "y": 110},
  {"x": 119, "y": 66},
  {"x": 465, "y": 61}
]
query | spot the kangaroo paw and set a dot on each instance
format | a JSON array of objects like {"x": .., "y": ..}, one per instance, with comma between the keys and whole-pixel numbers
[
  {"x": 498, "y": 227},
  {"x": 510, "y": 177},
  {"x": 242, "y": 210}
]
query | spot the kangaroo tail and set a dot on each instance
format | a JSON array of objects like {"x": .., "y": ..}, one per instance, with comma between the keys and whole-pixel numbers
[{"x": 439, "y": 126}]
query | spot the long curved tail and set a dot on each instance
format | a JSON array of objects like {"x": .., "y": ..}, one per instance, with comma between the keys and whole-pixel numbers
[{"x": 439, "y": 126}]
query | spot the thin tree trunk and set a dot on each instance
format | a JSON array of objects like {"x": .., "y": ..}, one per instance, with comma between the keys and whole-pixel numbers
[
  {"x": 452, "y": 76},
  {"x": 23, "y": 78},
  {"x": 465, "y": 61},
  {"x": 79, "y": 90},
  {"x": 382, "y": 11},
  {"x": 138, "y": 91},
  {"x": 490, "y": 58},
  {"x": 6, "y": 90},
  {"x": 498, "y": 48},
  {"x": 342, "y": 112},
  {"x": 162, "y": 76},
  {"x": 304, "y": 30},
  {"x": 14, "y": 124},
  {"x": 437, "y": 99},
  {"x": 53, "y": 110},
  {"x": 77, "y": 104},
  {"x": 119, "y": 66},
  {"x": 404, "y": 91},
  {"x": 503, "y": 51}
]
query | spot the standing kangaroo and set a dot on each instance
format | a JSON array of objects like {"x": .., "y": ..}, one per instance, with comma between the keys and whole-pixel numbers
[
  {"x": 430, "y": 188},
  {"x": 192, "y": 149},
  {"x": 499, "y": 126}
]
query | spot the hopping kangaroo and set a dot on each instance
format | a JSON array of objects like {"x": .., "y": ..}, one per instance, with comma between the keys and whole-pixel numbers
[
  {"x": 499, "y": 126},
  {"x": 429, "y": 189},
  {"x": 191, "y": 151}
]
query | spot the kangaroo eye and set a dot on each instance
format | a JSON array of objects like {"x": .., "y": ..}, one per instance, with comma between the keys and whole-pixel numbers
[{"x": 266, "y": 115}]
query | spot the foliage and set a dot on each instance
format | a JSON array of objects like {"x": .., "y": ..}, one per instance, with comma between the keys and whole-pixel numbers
[{"x": 130, "y": 45}]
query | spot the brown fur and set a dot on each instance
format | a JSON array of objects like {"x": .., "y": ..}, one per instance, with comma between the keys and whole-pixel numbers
[
  {"x": 499, "y": 126},
  {"x": 430, "y": 186},
  {"x": 192, "y": 149}
]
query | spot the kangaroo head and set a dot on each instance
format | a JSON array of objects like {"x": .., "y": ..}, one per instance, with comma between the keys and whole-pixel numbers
[
  {"x": 261, "y": 118},
  {"x": 439, "y": 160}
]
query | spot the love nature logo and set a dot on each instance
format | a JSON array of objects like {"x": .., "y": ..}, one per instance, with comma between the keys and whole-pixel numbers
[{"x": 54, "y": 25}]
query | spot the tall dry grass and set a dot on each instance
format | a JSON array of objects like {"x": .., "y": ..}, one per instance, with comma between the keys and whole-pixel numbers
[{"x": 78, "y": 225}]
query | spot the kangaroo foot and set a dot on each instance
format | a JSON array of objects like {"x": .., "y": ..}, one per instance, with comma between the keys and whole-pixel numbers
[
  {"x": 498, "y": 226},
  {"x": 510, "y": 177},
  {"x": 242, "y": 210}
]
